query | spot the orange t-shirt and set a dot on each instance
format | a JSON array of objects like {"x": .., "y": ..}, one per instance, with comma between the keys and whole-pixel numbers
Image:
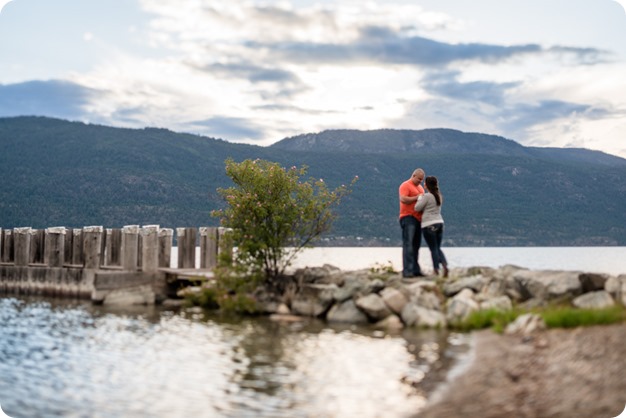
[{"x": 408, "y": 188}]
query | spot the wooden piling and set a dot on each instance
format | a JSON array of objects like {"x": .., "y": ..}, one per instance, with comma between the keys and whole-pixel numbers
[
  {"x": 186, "y": 240},
  {"x": 77, "y": 247},
  {"x": 55, "y": 246},
  {"x": 7, "y": 246},
  {"x": 166, "y": 236},
  {"x": 208, "y": 247},
  {"x": 37, "y": 241},
  {"x": 92, "y": 246},
  {"x": 22, "y": 245},
  {"x": 150, "y": 248},
  {"x": 130, "y": 247},
  {"x": 113, "y": 247}
]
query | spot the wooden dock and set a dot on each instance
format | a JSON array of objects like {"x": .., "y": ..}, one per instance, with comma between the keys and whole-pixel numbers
[{"x": 126, "y": 265}]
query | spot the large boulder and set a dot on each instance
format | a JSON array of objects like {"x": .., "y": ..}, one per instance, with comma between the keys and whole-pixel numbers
[
  {"x": 594, "y": 300},
  {"x": 356, "y": 285},
  {"x": 547, "y": 285},
  {"x": 313, "y": 299},
  {"x": 500, "y": 303},
  {"x": 394, "y": 299},
  {"x": 415, "y": 315},
  {"x": 475, "y": 283},
  {"x": 326, "y": 274},
  {"x": 346, "y": 312},
  {"x": 461, "y": 306},
  {"x": 591, "y": 282},
  {"x": 374, "y": 306}
]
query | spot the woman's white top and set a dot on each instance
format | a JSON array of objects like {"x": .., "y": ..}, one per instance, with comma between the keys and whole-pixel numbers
[{"x": 431, "y": 213}]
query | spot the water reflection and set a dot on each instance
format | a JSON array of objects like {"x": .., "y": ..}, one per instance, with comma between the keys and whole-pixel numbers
[{"x": 72, "y": 359}]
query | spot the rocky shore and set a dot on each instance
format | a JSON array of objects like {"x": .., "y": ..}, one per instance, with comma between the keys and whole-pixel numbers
[
  {"x": 526, "y": 372},
  {"x": 387, "y": 300}
]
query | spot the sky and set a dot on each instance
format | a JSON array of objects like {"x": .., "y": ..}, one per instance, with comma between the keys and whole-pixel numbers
[{"x": 540, "y": 72}]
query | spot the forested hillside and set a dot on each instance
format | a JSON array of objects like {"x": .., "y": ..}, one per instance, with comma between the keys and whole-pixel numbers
[{"x": 497, "y": 192}]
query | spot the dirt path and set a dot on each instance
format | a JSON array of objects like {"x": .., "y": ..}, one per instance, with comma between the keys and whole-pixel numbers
[{"x": 557, "y": 373}]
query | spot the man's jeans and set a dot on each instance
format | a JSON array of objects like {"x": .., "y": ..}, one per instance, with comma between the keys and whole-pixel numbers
[
  {"x": 433, "y": 234},
  {"x": 411, "y": 241}
]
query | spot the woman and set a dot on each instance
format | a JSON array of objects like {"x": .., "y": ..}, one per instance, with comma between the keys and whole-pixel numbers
[{"x": 432, "y": 222}]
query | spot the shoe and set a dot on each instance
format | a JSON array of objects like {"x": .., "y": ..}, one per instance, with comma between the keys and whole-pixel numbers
[{"x": 445, "y": 271}]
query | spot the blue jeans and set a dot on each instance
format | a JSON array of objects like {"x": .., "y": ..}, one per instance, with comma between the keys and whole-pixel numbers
[
  {"x": 411, "y": 241},
  {"x": 433, "y": 234}
]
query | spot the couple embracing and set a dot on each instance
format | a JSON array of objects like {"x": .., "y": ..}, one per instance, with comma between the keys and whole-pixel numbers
[{"x": 420, "y": 213}]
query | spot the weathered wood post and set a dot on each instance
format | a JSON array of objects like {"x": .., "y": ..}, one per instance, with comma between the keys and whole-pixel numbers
[
  {"x": 150, "y": 248},
  {"x": 92, "y": 246},
  {"x": 7, "y": 246},
  {"x": 78, "y": 257},
  {"x": 22, "y": 245},
  {"x": 166, "y": 236},
  {"x": 130, "y": 247},
  {"x": 113, "y": 247},
  {"x": 208, "y": 247},
  {"x": 54, "y": 246},
  {"x": 37, "y": 237},
  {"x": 186, "y": 239}
]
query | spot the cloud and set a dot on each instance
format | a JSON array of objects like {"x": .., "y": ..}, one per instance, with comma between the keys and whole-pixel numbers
[
  {"x": 55, "y": 98},
  {"x": 446, "y": 84},
  {"x": 378, "y": 44}
]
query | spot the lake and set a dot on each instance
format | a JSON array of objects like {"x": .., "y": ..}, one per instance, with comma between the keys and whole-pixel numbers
[
  {"x": 610, "y": 260},
  {"x": 74, "y": 359}
]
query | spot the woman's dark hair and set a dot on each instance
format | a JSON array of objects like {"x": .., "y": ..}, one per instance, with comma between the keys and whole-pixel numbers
[{"x": 433, "y": 187}]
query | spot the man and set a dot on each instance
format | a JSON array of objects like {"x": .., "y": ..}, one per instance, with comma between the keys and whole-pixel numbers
[{"x": 410, "y": 221}]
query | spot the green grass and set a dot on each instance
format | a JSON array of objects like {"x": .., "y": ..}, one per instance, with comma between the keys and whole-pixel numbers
[
  {"x": 568, "y": 317},
  {"x": 489, "y": 318},
  {"x": 554, "y": 317}
]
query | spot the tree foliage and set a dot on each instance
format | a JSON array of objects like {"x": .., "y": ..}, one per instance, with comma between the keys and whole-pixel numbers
[{"x": 274, "y": 214}]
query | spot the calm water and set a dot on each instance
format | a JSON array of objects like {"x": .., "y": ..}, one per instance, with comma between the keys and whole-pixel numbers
[
  {"x": 71, "y": 359},
  {"x": 611, "y": 260}
]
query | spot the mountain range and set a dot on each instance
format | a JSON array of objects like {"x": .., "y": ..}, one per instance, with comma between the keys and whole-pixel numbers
[{"x": 497, "y": 192}]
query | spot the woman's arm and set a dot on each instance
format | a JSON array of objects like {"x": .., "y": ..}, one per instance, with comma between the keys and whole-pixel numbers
[{"x": 422, "y": 201}]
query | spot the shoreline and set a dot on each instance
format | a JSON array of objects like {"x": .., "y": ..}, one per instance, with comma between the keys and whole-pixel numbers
[{"x": 552, "y": 373}]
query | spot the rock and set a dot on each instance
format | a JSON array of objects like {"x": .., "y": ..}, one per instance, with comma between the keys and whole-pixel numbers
[
  {"x": 394, "y": 299},
  {"x": 285, "y": 318},
  {"x": 392, "y": 323},
  {"x": 493, "y": 288},
  {"x": 594, "y": 300},
  {"x": 415, "y": 315},
  {"x": 591, "y": 282},
  {"x": 525, "y": 325},
  {"x": 613, "y": 285},
  {"x": 346, "y": 312},
  {"x": 327, "y": 274},
  {"x": 461, "y": 306},
  {"x": 283, "y": 309},
  {"x": 374, "y": 306},
  {"x": 476, "y": 283},
  {"x": 356, "y": 285},
  {"x": 313, "y": 299},
  {"x": 548, "y": 285},
  {"x": 501, "y": 303},
  {"x": 428, "y": 300}
]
